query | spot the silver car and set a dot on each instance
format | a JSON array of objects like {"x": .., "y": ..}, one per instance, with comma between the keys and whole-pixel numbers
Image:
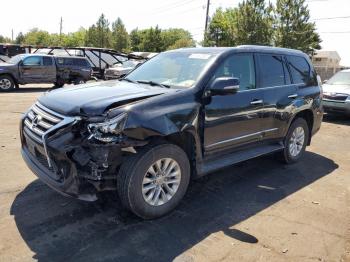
[{"x": 336, "y": 93}]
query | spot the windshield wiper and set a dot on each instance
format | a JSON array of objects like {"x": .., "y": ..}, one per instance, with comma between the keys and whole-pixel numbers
[
  {"x": 152, "y": 83},
  {"x": 128, "y": 80}
]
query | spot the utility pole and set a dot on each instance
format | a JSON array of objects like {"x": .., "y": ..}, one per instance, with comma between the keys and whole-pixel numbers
[
  {"x": 12, "y": 35},
  {"x": 207, "y": 17},
  {"x": 61, "y": 24}
]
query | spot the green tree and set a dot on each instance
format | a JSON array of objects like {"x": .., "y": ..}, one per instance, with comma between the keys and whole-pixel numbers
[
  {"x": 293, "y": 28},
  {"x": 152, "y": 40},
  {"x": 174, "y": 38},
  {"x": 120, "y": 36},
  {"x": 37, "y": 37},
  {"x": 135, "y": 39},
  {"x": 4, "y": 39},
  {"x": 254, "y": 23},
  {"x": 20, "y": 38},
  {"x": 75, "y": 39},
  {"x": 222, "y": 28},
  {"x": 99, "y": 35}
]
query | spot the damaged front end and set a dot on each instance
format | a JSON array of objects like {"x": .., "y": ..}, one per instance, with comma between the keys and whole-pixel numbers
[{"x": 75, "y": 156}]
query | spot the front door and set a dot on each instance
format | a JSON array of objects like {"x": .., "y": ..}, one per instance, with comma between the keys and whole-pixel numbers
[
  {"x": 234, "y": 120},
  {"x": 31, "y": 69}
]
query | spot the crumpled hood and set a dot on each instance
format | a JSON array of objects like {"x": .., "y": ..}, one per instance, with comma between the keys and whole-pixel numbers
[
  {"x": 342, "y": 89},
  {"x": 95, "y": 98}
]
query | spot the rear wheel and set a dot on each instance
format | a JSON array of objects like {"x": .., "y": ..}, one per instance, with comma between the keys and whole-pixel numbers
[
  {"x": 295, "y": 141},
  {"x": 6, "y": 83},
  {"x": 152, "y": 182},
  {"x": 79, "y": 81}
]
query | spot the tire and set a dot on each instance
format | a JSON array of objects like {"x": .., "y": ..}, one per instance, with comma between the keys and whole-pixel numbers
[
  {"x": 134, "y": 172},
  {"x": 79, "y": 81},
  {"x": 58, "y": 84},
  {"x": 7, "y": 83},
  {"x": 294, "y": 147}
]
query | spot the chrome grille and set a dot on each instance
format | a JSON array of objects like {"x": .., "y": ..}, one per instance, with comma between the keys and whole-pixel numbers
[
  {"x": 335, "y": 97},
  {"x": 39, "y": 120}
]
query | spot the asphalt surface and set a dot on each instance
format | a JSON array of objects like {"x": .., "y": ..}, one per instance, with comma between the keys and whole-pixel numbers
[{"x": 259, "y": 210}]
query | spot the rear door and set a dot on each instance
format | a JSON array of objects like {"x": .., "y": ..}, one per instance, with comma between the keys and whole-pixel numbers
[
  {"x": 279, "y": 93},
  {"x": 50, "y": 69}
]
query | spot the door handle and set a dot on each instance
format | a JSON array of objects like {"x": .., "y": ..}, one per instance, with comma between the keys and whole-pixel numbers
[
  {"x": 293, "y": 96},
  {"x": 256, "y": 102}
]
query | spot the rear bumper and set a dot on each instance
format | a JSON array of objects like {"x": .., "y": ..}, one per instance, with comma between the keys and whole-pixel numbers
[{"x": 336, "y": 107}]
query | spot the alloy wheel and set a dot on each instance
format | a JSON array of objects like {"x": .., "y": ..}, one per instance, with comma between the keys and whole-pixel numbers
[
  {"x": 296, "y": 141},
  {"x": 161, "y": 181}
]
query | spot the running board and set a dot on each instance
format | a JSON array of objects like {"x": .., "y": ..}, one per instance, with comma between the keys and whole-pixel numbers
[{"x": 211, "y": 165}]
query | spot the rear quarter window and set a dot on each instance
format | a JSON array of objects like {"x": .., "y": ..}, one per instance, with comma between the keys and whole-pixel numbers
[
  {"x": 81, "y": 62},
  {"x": 301, "y": 71}
]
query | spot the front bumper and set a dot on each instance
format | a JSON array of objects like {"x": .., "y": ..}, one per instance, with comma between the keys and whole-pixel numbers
[
  {"x": 78, "y": 169},
  {"x": 336, "y": 106}
]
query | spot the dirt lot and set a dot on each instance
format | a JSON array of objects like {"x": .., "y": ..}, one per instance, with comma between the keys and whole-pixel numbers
[{"x": 260, "y": 210}]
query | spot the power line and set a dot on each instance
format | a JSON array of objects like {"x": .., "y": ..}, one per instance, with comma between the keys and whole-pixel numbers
[
  {"x": 331, "y": 18},
  {"x": 340, "y": 32}
]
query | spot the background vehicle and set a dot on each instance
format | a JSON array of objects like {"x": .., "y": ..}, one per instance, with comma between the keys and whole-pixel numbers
[
  {"x": 120, "y": 69},
  {"x": 30, "y": 68},
  {"x": 182, "y": 114},
  {"x": 336, "y": 93}
]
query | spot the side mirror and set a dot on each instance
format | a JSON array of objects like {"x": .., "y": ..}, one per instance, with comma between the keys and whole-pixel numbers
[
  {"x": 325, "y": 81},
  {"x": 224, "y": 86}
]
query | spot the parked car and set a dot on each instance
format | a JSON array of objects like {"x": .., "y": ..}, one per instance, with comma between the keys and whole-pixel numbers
[
  {"x": 36, "y": 68},
  {"x": 180, "y": 115},
  {"x": 121, "y": 69},
  {"x": 336, "y": 93}
]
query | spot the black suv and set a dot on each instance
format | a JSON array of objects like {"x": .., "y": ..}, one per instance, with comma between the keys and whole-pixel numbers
[
  {"x": 38, "y": 68},
  {"x": 180, "y": 115}
]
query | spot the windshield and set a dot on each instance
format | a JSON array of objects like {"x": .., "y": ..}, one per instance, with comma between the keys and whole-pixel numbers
[
  {"x": 173, "y": 69},
  {"x": 340, "y": 78},
  {"x": 15, "y": 59}
]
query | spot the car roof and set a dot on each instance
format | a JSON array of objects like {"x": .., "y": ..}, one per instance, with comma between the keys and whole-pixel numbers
[
  {"x": 251, "y": 48},
  {"x": 46, "y": 55}
]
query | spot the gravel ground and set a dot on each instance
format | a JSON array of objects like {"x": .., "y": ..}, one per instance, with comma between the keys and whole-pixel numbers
[{"x": 260, "y": 210}]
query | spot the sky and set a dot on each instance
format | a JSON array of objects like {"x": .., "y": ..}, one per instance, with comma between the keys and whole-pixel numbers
[{"x": 187, "y": 14}]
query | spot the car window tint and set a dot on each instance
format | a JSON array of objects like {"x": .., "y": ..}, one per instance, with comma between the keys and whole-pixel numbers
[
  {"x": 32, "y": 61},
  {"x": 299, "y": 69},
  {"x": 239, "y": 66},
  {"x": 68, "y": 61},
  {"x": 47, "y": 61},
  {"x": 271, "y": 69},
  {"x": 60, "y": 61}
]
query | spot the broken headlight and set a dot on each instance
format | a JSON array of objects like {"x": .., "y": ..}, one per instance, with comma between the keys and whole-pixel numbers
[{"x": 109, "y": 130}]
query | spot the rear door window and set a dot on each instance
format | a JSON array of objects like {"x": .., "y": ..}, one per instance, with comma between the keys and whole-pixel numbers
[
  {"x": 47, "y": 61},
  {"x": 272, "y": 70},
  {"x": 300, "y": 70}
]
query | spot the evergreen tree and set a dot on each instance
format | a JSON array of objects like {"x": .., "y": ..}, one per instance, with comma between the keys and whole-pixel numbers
[
  {"x": 121, "y": 41},
  {"x": 254, "y": 23},
  {"x": 20, "y": 38},
  {"x": 293, "y": 28},
  {"x": 222, "y": 28}
]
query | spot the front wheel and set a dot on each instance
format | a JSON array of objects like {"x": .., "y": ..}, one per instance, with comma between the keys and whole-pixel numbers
[
  {"x": 6, "y": 83},
  {"x": 152, "y": 182},
  {"x": 295, "y": 141}
]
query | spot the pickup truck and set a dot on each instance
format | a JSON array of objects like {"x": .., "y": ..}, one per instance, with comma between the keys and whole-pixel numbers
[{"x": 38, "y": 68}]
